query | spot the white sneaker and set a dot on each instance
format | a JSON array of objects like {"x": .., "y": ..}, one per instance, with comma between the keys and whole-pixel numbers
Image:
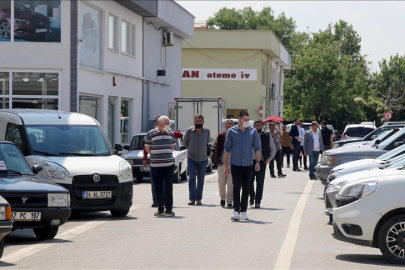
[
  {"x": 235, "y": 216},
  {"x": 244, "y": 216}
]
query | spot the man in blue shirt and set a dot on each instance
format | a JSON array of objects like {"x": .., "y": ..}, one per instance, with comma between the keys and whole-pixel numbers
[{"x": 240, "y": 140}]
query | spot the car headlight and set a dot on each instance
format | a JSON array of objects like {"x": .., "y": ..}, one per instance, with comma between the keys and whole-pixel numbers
[
  {"x": 125, "y": 169},
  {"x": 20, "y": 21},
  {"x": 54, "y": 170},
  {"x": 58, "y": 200},
  {"x": 359, "y": 190},
  {"x": 326, "y": 160}
]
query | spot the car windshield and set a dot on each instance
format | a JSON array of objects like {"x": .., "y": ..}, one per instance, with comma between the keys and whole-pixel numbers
[
  {"x": 399, "y": 163},
  {"x": 137, "y": 143},
  {"x": 394, "y": 152},
  {"x": 396, "y": 137},
  {"x": 21, "y": 8},
  {"x": 358, "y": 131},
  {"x": 11, "y": 160},
  {"x": 68, "y": 140}
]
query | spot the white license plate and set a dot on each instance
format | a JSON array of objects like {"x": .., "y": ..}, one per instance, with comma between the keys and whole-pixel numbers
[
  {"x": 143, "y": 169},
  {"x": 97, "y": 194},
  {"x": 40, "y": 30},
  {"x": 26, "y": 216}
]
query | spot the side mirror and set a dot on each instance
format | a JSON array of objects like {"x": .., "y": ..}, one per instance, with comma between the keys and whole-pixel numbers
[
  {"x": 126, "y": 147},
  {"x": 118, "y": 149},
  {"x": 37, "y": 168},
  {"x": 182, "y": 148},
  {"x": 398, "y": 144},
  {"x": 378, "y": 141},
  {"x": 373, "y": 137}
]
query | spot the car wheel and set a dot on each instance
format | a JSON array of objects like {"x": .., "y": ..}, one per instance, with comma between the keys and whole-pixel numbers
[
  {"x": 119, "y": 213},
  {"x": 391, "y": 239},
  {"x": 184, "y": 175},
  {"x": 1, "y": 247},
  {"x": 46, "y": 232},
  {"x": 176, "y": 177},
  {"x": 139, "y": 178},
  {"x": 209, "y": 168},
  {"x": 5, "y": 29}
]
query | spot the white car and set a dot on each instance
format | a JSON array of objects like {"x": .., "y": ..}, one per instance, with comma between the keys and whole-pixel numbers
[
  {"x": 371, "y": 212},
  {"x": 357, "y": 131},
  {"x": 135, "y": 158}
]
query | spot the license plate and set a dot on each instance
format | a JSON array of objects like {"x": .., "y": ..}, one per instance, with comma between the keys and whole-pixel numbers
[
  {"x": 97, "y": 194},
  {"x": 26, "y": 216},
  {"x": 40, "y": 30}
]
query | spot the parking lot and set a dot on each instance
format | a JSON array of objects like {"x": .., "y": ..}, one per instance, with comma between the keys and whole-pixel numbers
[{"x": 290, "y": 231}]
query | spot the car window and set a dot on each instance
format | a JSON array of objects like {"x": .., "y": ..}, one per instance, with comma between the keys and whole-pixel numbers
[
  {"x": 177, "y": 145},
  {"x": 21, "y": 8},
  {"x": 394, "y": 152},
  {"x": 137, "y": 143},
  {"x": 13, "y": 135},
  {"x": 358, "y": 131},
  {"x": 13, "y": 159},
  {"x": 399, "y": 163}
]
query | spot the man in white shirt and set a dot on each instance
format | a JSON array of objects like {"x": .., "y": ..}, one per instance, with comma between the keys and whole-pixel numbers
[
  {"x": 313, "y": 145},
  {"x": 302, "y": 135}
]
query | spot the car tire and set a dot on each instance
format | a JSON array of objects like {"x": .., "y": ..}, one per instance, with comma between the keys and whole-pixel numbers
[
  {"x": 176, "y": 177},
  {"x": 46, "y": 232},
  {"x": 120, "y": 213},
  {"x": 209, "y": 168},
  {"x": 1, "y": 247},
  {"x": 5, "y": 29},
  {"x": 139, "y": 178},
  {"x": 386, "y": 232},
  {"x": 184, "y": 175}
]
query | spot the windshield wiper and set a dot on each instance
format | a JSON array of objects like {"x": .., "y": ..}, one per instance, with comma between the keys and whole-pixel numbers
[
  {"x": 10, "y": 171},
  {"x": 79, "y": 154},
  {"x": 45, "y": 153}
]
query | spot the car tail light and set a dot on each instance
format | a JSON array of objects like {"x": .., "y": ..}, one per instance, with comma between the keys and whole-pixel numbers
[{"x": 8, "y": 213}]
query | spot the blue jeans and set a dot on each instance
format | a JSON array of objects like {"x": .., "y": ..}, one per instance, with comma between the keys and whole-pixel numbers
[
  {"x": 196, "y": 169},
  {"x": 313, "y": 160}
]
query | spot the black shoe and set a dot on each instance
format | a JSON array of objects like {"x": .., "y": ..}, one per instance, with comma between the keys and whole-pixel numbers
[
  {"x": 169, "y": 213},
  {"x": 222, "y": 203},
  {"x": 251, "y": 202},
  {"x": 306, "y": 168},
  {"x": 257, "y": 205},
  {"x": 154, "y": 204},
  {"x": 281, "y": 175},
  {"x": 296, "y": 170},
  {"x": 230, "y": 205},
  {"x": 191, "y": 202},
  {"x": 159, "y": 213},
  {"x": 288, "y": 165},
  {"x": 272, "y": 176}
]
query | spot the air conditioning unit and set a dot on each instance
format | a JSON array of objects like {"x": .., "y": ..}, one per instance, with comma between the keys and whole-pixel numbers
[{"x": 169, "y": 39}]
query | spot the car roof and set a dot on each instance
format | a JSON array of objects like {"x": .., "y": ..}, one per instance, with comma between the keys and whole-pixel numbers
[
  {"x": 50, "y": 117},
  {"x": 359, "y": 125}
]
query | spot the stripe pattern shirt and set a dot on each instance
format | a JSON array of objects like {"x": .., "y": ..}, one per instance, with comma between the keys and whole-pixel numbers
[{"x": 161, "y": 151}]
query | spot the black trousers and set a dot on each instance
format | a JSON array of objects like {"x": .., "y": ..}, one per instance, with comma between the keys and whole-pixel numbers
[
  {"x": 296, "y": 155},
  {"x": 277, "y": 158},
  {"x": 303, "y": 156},
  {"x": 286, "y": 151},
  {"x": 241, "y": 177},
  {"x": 163, "y": 177},
  {"x": 259, "y": 176}
]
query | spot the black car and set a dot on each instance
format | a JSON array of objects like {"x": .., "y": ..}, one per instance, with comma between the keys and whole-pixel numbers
[
  {"x": 36, "y": 203},
  {"x": 6, "y": 223}
]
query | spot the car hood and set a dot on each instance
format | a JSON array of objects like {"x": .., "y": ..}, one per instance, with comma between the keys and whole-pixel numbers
[
  {"x": 354, "y": 151},
  {"x": 360, "y": 143},
  {"x": 32, "y": 16},
  {"x": 88, "y": 165},
  {"x": 355, "y": 163},
  {"x": 28, "y": 184},
  {"x": 350, "y": 177},
  {"x": 359, "y": 168}
]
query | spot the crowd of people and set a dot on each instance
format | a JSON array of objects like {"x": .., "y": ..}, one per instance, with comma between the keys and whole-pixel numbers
[{"x": 242, "y": 155}]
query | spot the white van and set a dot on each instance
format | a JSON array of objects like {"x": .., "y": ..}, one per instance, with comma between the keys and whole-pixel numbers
[{"x": 74, "y": 152}]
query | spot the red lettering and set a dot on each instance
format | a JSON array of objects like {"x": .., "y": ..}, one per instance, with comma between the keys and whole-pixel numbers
[
  {"x": 195, "y": 74},
  {"x": 214, "y": 74},
  {"x": 233, "y": 75},
  {"x": 186, "y": 74},
  {"x": 247, "y": 75},
  {"x": 209, "y": 75},
  {"x": 218, "y": 75},
  {"x": 226, "y": 75}
]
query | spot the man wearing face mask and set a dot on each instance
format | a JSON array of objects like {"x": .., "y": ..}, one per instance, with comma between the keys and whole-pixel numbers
[
  {"x": 239, "y": 142},
  {"x": 145, "y": 163},
  {"x": 159, "y": 144},
  {"x": 196, "y": 140}
]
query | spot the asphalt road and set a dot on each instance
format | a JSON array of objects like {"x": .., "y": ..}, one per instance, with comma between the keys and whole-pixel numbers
[{"x": 290, "y": 231}]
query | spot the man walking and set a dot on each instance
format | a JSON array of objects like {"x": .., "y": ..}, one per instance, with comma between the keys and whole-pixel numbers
[
  {"x": 302, "y": 135},
  {"x": 313, "y": 144},
  {"x": 327, "y": 136},
  {"x": 285, "y": 141},
  {"x": 277, "y": 157},
  {"x": 268, "y": 152},
  {"x": 239, "y": 142},
  {"x": 159, "y": 144},
  {"x": 196, "y": 140},
  {"x": 295, "y": 135},
  {"x": 223, "y": 180},
  {"x": 145, "y": 164}
]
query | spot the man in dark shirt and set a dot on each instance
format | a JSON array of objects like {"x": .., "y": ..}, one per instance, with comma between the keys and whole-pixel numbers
[
  {"x": 296, "y": 142},
  {"x": 327, "y": 136}
]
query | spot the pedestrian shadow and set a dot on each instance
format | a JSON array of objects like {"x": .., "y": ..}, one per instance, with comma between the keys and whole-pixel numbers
[
  {"x": 95, "y": 216},
  {"x": 270, "y": 209},
  {"x": 21, "y": 240},
  {"x": 206, "y": 205},
  {"x": 321, "y": 198},
  {"x": 175, "y": 217},
  {"x": 2, "y": 264},
  {"x": 365, "y": 259},
  {"x": 258, "y": 222}
]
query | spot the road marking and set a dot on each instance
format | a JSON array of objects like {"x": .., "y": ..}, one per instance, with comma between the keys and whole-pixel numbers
[{"x": 285, "y": 256}]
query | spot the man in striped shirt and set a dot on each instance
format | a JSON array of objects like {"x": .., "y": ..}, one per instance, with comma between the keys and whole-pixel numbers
[{"x": 159, "y": 144}]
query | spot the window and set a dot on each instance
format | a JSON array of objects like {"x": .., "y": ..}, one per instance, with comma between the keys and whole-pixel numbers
[
  {"x": 128, "y": 38},
  {"x": 13, "y": 135},
  {"x": 112, "y": 32},
  {"x": 163, "y": 56},
  {"x": 4, "y": 83},
  {"x": 125, "y": 121},
  {"x": 263, "y": 73}
]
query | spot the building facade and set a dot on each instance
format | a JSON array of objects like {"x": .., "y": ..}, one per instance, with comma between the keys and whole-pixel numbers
[{"x": 243, "y": 67}]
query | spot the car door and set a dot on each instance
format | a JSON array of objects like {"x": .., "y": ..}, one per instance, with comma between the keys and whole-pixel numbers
[{"x": 183, "y": 154}]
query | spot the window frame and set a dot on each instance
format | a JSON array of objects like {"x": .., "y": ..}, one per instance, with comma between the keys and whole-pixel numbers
[
  {"x": 131, "y": 38},
  {"x": 115, "y": 32}
]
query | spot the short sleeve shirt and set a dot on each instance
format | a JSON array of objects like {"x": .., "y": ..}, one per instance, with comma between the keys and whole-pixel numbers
[
  {"x": 161, "y": 152},
  {"x": 326, "y": 132}
]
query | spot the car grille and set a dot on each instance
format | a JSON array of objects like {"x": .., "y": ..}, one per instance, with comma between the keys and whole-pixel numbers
[
  {"x": 328, "y": 204},
  {"x": 86, "y": 183},
  {"x": 135, "y": 161},
  {"x": 340, "y": 203},
  {"x": 34, "y": 199},
  {"x": 39, "y": 24}
]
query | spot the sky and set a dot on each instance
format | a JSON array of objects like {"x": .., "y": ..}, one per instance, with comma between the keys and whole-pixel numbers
[{"x": 380, "y": 24}]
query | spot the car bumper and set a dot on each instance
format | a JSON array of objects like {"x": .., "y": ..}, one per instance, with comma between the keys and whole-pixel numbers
[
  {"x": 355, "y": 214},
  {"x": 122, "y": 194},
  {"x": 322, "y": 172},
  {"x": 330, "y": 201},
  {"x": 47, "y": 215},
  {"x": 5, "y": 227}
]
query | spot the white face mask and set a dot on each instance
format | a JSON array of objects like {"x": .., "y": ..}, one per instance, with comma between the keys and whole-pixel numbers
[
  {"x": 166, "y": 128},
  {"x": 245, "y": 124}
]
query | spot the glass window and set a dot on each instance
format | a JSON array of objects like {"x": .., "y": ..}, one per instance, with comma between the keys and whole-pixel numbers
[
  {"x": 13, "y": 159},
  {"x": 4, "y": 83},
  {"x": 13, "y": 135},
  {"x": 35, "y": 103},
  {"x": 90, "y": 106},
  {"x": 137, "y": 143},
  {"x": 128, "y": 38},
  {"x": 42, "y": 84},
  {"x": 112, "y": 29},
  {"x": 5, "y": 25},
  {"x": 125, "y": 126},
  {"x": 358, "y": 131},
  {"x": 4, "y": 103},
  {"x": 68, "y": 140}
]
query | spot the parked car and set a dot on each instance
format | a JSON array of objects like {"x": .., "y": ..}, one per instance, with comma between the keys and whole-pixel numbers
[
  {"x": 75, "y": 152},
  {"x": 383, "y": 136},
  {"x": 6, "y": 222},
  {"x": 36, "y": 203},
  {"x": 371, "y": 212},
  {"x": 135, "y": 158},
  {"x": 356, "y": 131},
  {"x": 334, "y": 157},
  {"x": 27, "y": 23}
]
